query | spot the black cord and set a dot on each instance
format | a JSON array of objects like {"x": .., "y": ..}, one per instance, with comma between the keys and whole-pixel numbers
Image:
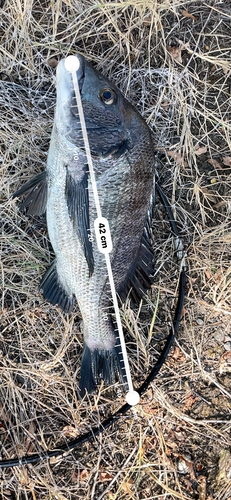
[{"x": 95, "y": 431}]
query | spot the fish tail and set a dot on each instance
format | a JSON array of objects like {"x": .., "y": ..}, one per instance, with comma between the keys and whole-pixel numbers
[{"x": 100, "y": 364}]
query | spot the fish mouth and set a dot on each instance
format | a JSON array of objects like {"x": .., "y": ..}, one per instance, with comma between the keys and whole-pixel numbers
[
  {"x": 64, "y": 81},
  {"x": 65, "y": 93},
  {"x": 81, "y": 71}
]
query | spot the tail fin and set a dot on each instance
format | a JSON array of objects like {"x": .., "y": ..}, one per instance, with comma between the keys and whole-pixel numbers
[{"x": 100, "y": 364}]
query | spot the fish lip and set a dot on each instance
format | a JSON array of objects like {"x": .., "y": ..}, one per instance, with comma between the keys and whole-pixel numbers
[
  {"x": 81, "y": 71},
  {"x": 63, "y": 76}
]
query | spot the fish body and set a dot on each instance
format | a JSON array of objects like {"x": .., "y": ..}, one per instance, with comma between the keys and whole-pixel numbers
[{"x": 123, "y": 161}]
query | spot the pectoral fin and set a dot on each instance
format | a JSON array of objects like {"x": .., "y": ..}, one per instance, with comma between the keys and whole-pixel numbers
[
  {"x": 78, "y": 207},
  {"x": 36, "y": 199}
]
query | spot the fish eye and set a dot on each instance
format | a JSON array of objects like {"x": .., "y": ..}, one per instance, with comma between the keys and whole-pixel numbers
[{"x": 108, "y": 96}]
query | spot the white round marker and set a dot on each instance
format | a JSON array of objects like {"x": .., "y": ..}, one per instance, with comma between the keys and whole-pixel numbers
[
  {"x": 72, "y": 64},
  {"x": 133, "y": 398}
]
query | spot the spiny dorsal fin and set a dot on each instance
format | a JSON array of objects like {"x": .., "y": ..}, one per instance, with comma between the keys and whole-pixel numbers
[{"x": 140, "y": 277}]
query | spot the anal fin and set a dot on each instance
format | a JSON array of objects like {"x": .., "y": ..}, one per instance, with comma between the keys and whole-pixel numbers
[{"x": 54, "y": 292}]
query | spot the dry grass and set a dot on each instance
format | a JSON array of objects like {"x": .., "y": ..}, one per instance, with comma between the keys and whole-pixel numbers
[{"x": 172, "y": 60}]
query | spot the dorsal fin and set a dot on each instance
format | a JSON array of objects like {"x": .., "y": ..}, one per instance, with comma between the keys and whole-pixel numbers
[{"x": 140, "y": 277}]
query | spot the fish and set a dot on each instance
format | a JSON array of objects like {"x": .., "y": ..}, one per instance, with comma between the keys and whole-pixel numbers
[{"x": 122, "y": 151}]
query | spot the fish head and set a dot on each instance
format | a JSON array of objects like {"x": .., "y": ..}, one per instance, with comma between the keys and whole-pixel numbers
[{"x": 113, "y": 125}]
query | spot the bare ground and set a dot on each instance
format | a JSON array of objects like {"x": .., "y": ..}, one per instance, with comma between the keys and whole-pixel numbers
[{"x": 172, "y": 60}]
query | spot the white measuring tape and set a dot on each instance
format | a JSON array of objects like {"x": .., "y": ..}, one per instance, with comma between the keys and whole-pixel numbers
[{"x": 102, "y": 230}]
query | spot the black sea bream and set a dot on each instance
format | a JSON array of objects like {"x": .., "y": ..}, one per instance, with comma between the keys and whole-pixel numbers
[{"x": 123, "y": 160}]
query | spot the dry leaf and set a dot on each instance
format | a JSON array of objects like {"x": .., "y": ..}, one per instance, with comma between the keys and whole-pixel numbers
[
  {"x": 176, "y": 51},
  {"x": 142, "y": 450},
  {"x": 148, "y": 410},
  {"x": 189, "y": 402},
  {"x": 227, "y": 161},
  {"x": 150, "y": 443},
  {"x": 215, "y": 163},
  {"x": 217, "y": 278},
  {"x": 208, "y": 274},
  {"x": 110, "y": 496},
  {"x": 200, "y": 150},
  {"x": 53, "y": 62},
  {"x": 23, "y": 476},
  {"x": 227, "y": 355},
  {"x": 105, "y": 476},
  {"x": 199, "y": 466},
  {"x": 29, "y": 443},
  {"x": 177, "y": 157},
  {"x": 178, "y": 355},
  {"x": 188, "y": 485},
  {"x": 186, "y": 465},
  {"x": 224, "y": 366},
  {"x": 184, "y": 312},
  {"x": 226, "y": 69},
  {"x": 3, "y": 414},
  {"x": 75, "y": 476},
  {"x": 165, "y": 105},
  {"x": 126, "y": 486},
  {"x": 208, "y": 195},
  {"x": 185, "y": 13},
  {"x": 172, "y": 444},
  {"x": 83, "y": 476},
  {"x": 70, "y": 431}
]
